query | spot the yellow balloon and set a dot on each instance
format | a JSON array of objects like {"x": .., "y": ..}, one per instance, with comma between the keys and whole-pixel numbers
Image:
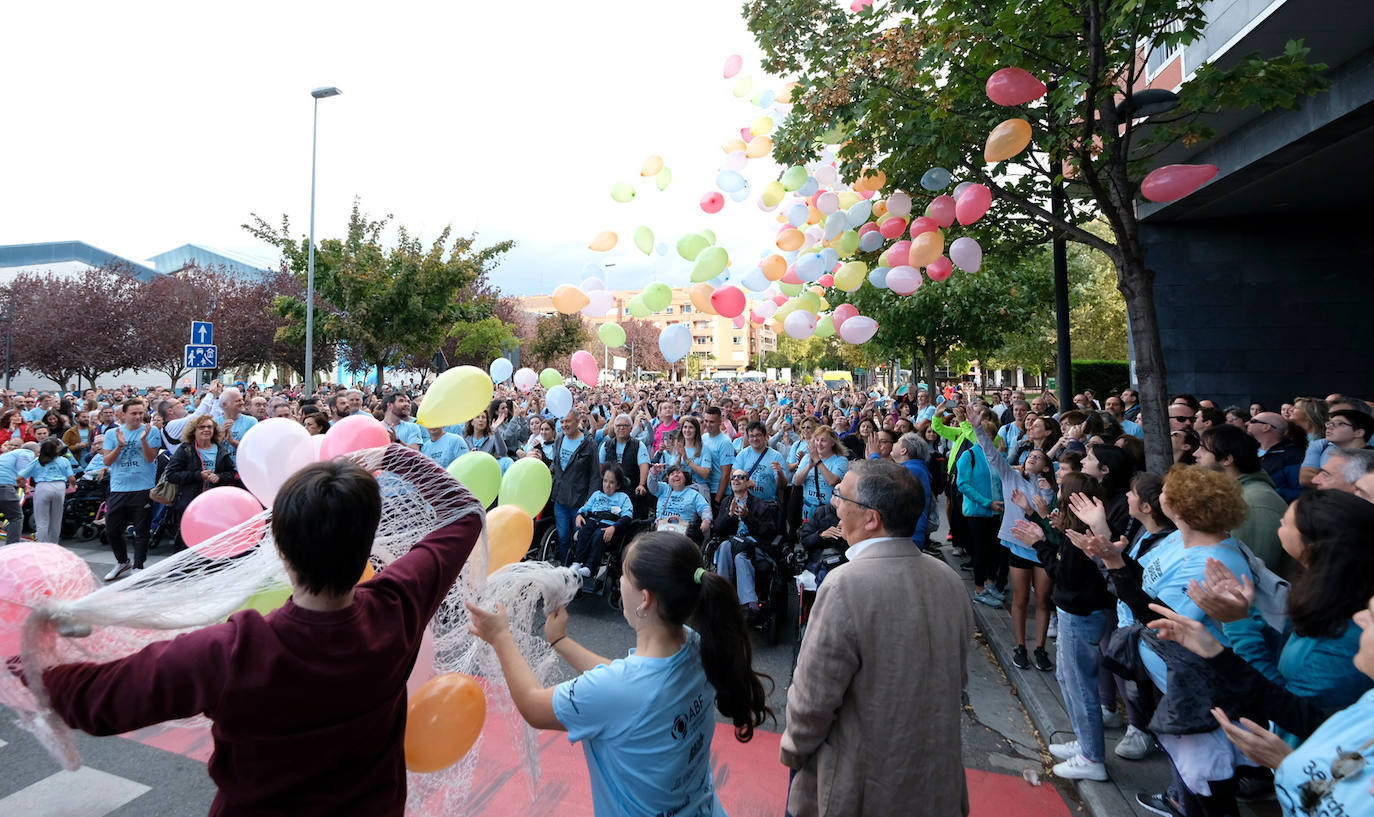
[
  {"x": 851, "y": 276},
  {"x": 772, "y": 195},
  {"x": 701, "y": 297},
  {"x": 762, "y": 126},
  {"x": 651, "y": 166},
  {"x": 568, "y": 299},
  {"x": 926, "y": 247},
  {"x": 269, "y": 598},
  {"x": 848, "y": 199},
  {"x": 510, "y": 532},
  {"x": 456, "y": 396},
  {"x": 1007, "y": 139},
  {"x": 758, "y": 148},
  {"x": 604, "y": 240}
]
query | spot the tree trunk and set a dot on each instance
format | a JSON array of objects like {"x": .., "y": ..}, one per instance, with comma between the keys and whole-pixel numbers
[
  {"x": 381, "y": 366},
  {"x": 1137, "y": 287}
]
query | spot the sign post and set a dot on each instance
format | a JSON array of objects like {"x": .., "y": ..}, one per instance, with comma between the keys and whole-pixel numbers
[{"x": 201, "y": 353}]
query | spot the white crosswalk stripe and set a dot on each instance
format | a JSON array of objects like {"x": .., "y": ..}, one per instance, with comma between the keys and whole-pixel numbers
[{"x": 85, "y": 792}]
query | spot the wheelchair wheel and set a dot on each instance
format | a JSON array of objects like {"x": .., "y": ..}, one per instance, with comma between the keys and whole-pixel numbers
[{"x": 87, "y": 532}]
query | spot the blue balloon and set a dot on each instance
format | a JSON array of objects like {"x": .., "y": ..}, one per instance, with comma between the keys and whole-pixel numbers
[
  {"x": 811, "y": 267},
  {"x": 830, "y": 257},
  {"x": 730, "y": 181},
  {"x": 501, "y": 370},
  {"x": 740, "y": 194},
  {"x": 662, "y": 248},
  {"x": 937, "y": 178},
  {"x": 870, "y": 241},
  {"x": 878, "y": 277},
  {"x": 858, "y": 213},
  {"x": 797, "y": 215},
  {"x": 835, "y": 223},
  {"x": 675, "y": 342},
  {"x": 767, "y": 98},
  {"x": 810, "y": 187}
]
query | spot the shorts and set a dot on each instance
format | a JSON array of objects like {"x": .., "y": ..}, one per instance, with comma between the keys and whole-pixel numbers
[{"x": 1019, "y": 562}]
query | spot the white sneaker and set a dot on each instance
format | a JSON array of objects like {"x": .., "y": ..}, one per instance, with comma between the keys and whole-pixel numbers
[
  {"x": 1079, "y": 767},
  {"x": 1053, "y": 631},
  {"x": 1135, "y": 744},
  {"x": 117, "y": 571},
  {"x": 1064, "y": 751},
  {"x": 584, "y": 571},
  {"x": 1111, "y": 718},
  {"x": 576, "y": 567}
]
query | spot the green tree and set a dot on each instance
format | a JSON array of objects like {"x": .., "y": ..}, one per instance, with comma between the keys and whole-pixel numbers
[
  {"x": 902, "y": 85},
  {"x": 556, "y": 337},
  {"x": 384, "y": 304}
]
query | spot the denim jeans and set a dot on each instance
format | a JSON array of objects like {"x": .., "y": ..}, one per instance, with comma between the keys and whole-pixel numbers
[
  {"x": 563, "y": 518},
  {"x": 739, "y": 569},
  {"x": 1076, "y": 668}
]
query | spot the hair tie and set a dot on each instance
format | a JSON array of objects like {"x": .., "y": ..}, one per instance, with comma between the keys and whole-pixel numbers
[{"x": 701, "y": 571}]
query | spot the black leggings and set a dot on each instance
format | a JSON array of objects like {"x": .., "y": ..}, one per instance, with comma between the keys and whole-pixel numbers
[{"x": 987, "y": 552}]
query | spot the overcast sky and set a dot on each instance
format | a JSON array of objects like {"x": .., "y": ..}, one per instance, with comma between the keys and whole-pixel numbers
[{"x": 140, "y": 127}]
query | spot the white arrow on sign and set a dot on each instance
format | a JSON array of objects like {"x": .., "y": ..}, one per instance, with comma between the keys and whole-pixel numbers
[{"x": 201, "y": 339}]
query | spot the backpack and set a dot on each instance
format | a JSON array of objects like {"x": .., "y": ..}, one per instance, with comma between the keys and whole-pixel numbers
[
  {"x": 1271, "y": 590},
  {"x": 939, "y": 473}
]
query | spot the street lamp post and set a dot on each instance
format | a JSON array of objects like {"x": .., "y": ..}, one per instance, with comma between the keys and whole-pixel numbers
[{"x": 318, "y": 94}]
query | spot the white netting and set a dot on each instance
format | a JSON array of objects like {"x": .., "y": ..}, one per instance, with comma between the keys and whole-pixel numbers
[{"x": 73, "y": 619}]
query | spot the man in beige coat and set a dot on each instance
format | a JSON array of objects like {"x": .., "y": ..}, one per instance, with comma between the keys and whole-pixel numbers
[{"x": 873, "y": 714}]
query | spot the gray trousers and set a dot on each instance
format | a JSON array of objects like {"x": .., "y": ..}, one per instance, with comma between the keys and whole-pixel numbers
[{"x": 14, "y": 514}]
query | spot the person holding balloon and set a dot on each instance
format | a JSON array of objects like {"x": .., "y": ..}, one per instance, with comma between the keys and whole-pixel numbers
[{"x": 645, "y": 720}]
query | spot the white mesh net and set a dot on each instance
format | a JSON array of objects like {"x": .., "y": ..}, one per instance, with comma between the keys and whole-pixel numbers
[{"x": 68, "y": 617}]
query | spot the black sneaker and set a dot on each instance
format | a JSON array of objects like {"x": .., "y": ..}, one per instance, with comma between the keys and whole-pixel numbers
[
  {"x": 1252, "y": 786},
  {"x": 1018, "y": 657},
  {"x": 1042, "y": 660},
  {"x": 1157, "y": 803}
]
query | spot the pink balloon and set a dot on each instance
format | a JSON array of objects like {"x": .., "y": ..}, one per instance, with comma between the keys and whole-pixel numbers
[
  {"x": 942, "y": 210},
  {"x": 940, "y": 269},
  {"x": 270, "y": 452},
  {"x": 354, "y": 433},
  {"x": 739, "y": 321},
  {"x": 34, "y": 573},
  {"x": 214, "y": 512},
  {"x": 842, "y": 313},
  {"x": 728, "y": 301},
  {"x": 779, "y": 300},
  {"x": 732, "y": 65},
  {"x": 903, "y": 280},
  {"x": 868, "y": 227},
  {"x": 858, "y": 329},
  {"x": 826, "y": 280},
  {"x": 791, "y": 277},
  {"x": 892, "y": 227},
  {"x": 712, "y": 202},
  {"x": 1014, "y": 86},
  {"x": 746, "y": 134},
  {"x": 898, "y": 252},
  {"x": 866, "y": 194},
  {"x": 584, "y": 368},
  {"x": 1173, "y": 182},
  {"x": 599, "y": 302},
  {"x": 424, "y": 664},
  {"x": 973, "y": 204},
  {"x": 924, "y": 224},
  {"x": 860, "y": 5},
  {"x": 800, "y": 324}
]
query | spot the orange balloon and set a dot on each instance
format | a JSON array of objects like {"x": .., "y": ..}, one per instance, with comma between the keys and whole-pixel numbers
[
  {"x": 568, "y": 299},
  {"x": 774, "y": 267},
  {"x": 1007, "y": 139},
  {"x": 443, "y": 719},
  {"x": 604, "y": 240},
  {"x": 734, "y": 145},
  {"x": 368, "y": 572},
  {"x": 651, "y": 166},
  {"x": 790, "y": 240},
  {"x": 759, "y": 147},
  {"x": 787, "y": 95},
  {"x": 509, "y": 533},
  {"x": 926, "y": 247},
  {"x": 813, "y": 216},
  {"x": 879, "y": 210},
  {"x": 871, "y": 180},
  {"x": 701, "y": 296}
]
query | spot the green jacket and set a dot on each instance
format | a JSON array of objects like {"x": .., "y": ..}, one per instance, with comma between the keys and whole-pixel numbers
[{"x": 1260, "y": 530}]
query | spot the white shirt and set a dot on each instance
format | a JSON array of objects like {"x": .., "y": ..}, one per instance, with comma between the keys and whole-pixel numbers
[{"x": 854, "y": 550}]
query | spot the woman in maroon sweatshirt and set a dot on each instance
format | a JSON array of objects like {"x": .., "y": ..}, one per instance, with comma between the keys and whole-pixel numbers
[{"x": 309, "y": 701}]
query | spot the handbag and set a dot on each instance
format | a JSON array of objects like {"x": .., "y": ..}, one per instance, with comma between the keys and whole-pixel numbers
[{"x": 164, "y": 492}]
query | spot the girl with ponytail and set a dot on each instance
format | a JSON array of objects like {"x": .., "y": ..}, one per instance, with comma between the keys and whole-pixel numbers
[{"x": 645, "y": 720}]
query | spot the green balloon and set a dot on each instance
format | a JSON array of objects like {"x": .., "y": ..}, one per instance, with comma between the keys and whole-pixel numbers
[
  {"x": 882, "y": 259},
  {"x": 708, "y": 235},
  {"x": 550, "y": 378},
  {"x": 268, "y": 599},
  {"x": 663, "y": 179},
  {"x": 711, "y": 262},
  {"x": 825, "y": 327},
  {"x": 480, "y": 472},
  {"x": 638, "y": 308},
  {"x": 623, "y": 192},
  {"x": 657, "y": 296},
  {"x": 849, "y": 242},
  {"x": 644, "y": 240},
  {"x": 691, "y": 245},
  {"x": 527, "y": 485},
  {"x": 793, "y": 178},
  {"x": 788, "y": 289},
  {"x": 612, "y": 334},
  {"x": 810, "y": 301}
]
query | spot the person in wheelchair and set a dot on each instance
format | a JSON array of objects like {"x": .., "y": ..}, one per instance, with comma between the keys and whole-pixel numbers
[
  {"x": 823, "y": 541},
  {"x": 681, "y": 508},
  {"x": 598, "y": 520},
  {"x": 744, "y": 522}
]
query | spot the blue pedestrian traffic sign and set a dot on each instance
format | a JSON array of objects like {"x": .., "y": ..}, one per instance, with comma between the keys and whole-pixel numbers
[
  {"x": 202, "y": 356},
  {"x": 202, "y": 333}
]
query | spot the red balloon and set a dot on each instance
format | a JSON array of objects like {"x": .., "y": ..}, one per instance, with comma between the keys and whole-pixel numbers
[
  {"x": 1014, "y": 86},
  {"x": 712, "y": 202},
  {"x": 892, "y": 227},
  {"x": 971, "y": 206},
  {"x": 842, "y": 313},
  {"x": 940, "y": 269},
  {"x": 728, "y": 301},
  {"x": 827, "y": 280},
  {"x": 1173, "y": 182},
  {"x": 868, "y": 227},
  {"x": 924, "y": 224},
  {"x": 942, "y": 210}
]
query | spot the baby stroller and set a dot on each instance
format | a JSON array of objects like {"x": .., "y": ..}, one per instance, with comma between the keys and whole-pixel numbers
[{"x": 82, "y": 505}]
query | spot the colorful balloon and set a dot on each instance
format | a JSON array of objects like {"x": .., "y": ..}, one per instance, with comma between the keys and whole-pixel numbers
[
  {"x": 842, "y": 313},
  {"x": 762, "y": 126},
  {"x": 936, "y": 178},
  {"x": 971, "y": 206},
  {"x": 690, "y": 246},
  {"x": 900, "y": 252},
  {"x": 735, "y": 161},
  {"x": 772, "y": 194},
  {"x": 509, "y": 533},
  {"x": 612, "y": 334},
  {"x": 663, "y": 178},
  {"x": 480, "y": 473},
  {"x": 657, "y": 296},
  {"x": 599, "y": 302},
  {"x": 870, "y": 241},
  {"x": 942, "y": 209},
  {"x": 759, "y": 147},
  {"x": 674, "y": 342},
  {"x": 878, "y": 277},
  {"x": 712, "y": 202},
  {"x": 585, "y": 369},
  {"x": 501, "y": 370},
  {"x": 527, "y": 485},
  {"x": 623, "y": 192},
  {"x": 214, "y": 512},
  {"x": 940, "y": 269},
  {"x": 892, "y": 227},
  {"x": 604, "y": 241},
  {"x": 651, "y": 166},
  {"x": 730, "y": 181},
  {"x": 559, "y": 400},
  {"x": 548, "y": 378},
  {"x": 732, "y": 65},
  {"x": 899, "y": 204},
  {"x": 793, "y": 178},
  {"x": 799, "y": 324},
  {"x": 1014, "y": 86},
  {"x": 965, "y": 252},
  {"x": 859, "y": 329},
  {"x": 443, "y": 720},
  {"x": 728, "y": 301},
  {"x": 637, "y": 308},
  {"x": 361, "y": 431},
  {"x": 1173, "y": 182},
  {"x": 742, "y": 86},
  {"x": 774, "y": 267},
  {"x": 701, "y": 298},
  {"x": 849, "y": 277},
  {"x": 644, "y": 240},
  {"x": 711, "y": 262},
  {"x": 904, "y": 280},
  {"x": 568, "y": 299},
  {"x": 525, "y": 379},
  {"x": 271, "y": 451},
  {"x": 1007, "y": 140}
]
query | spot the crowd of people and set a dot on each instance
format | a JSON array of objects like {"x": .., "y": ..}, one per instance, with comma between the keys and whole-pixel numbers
[{"x": 1202, "y": 607}]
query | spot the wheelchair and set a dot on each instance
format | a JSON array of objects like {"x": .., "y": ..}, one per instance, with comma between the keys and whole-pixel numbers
[{"x": 773, "y": 576}]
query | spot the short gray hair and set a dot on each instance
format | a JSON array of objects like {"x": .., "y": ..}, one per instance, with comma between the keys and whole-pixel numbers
[
  {"x": 623, "y": 416},
  {"x": 1358, "y": 462},
  {"x": 886, "y": 487},
  {"x": 915, "y": 447}
]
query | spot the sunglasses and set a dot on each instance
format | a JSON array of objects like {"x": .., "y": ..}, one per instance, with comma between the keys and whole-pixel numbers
[{"x": 1183, "y": 419}]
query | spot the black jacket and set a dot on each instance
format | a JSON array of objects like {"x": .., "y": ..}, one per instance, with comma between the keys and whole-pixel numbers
[
  {"x": 822, "y": 517},
  {"x": 185, "y": 467},
  {"x": 582, "y": 477},
  {"x": 760, "y": 517},
  {"x": 1079, "y": 587}
]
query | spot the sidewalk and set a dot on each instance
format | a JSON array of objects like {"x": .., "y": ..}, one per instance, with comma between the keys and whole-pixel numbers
[{"x": 1039, "y": 693}]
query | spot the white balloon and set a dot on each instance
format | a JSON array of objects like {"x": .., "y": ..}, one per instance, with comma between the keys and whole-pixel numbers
[
  {"x": 592, "y": 284},
  {"x": 271, "y": 451},
  {"x": 675, "y": 342},
  {"x": 799, "y": 324},
  {"x": 558, "y": 400},
  {"x": 766, "y": 309},
  {"x": 500, "y": 370},
  {"x": 966, "y": 254},
  {"x": 827, "y": 202},
  {"x": 735, "y": 161},
  {"x": 526, "y": 378},
  {"x": 826, "y": 175},
  {"x": 599, "y": 302},
  {"x": 899, "y": 204},
  {"x": 858, "y": 329}
]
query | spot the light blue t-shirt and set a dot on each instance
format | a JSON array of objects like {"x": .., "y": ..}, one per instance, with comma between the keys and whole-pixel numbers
[
  {"x": 816, "y": 491},
  {"x": 1311, "y": 762},
  {"x": 642, "y": 458},
  {"x": 410, "y": 433},
  {"x": 722, "y": 453},
  {"x": 568, "y": 449},
  {"x": 645, "y": 725},
  {"x": 617, "y": 503},
  {"x": 1133, "y": 428},
  {"x": 35, "y": 414},
  {"x": 765, "y": 480},
  {"x": 702, "y": 458},
  {"x": 59, "y": 470},
  {"x": 687, "y": 504},
  {"x": 131, "y": 472},
  {"x": 12, "y": 463},
  {"x": 237, "y": 430},
  {"x": 208, "y": 457},
  {"x": 444, "y": 450}
]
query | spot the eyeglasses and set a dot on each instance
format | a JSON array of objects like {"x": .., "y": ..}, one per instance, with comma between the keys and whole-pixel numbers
[
  {"x": 1182, "y": 418},
  {"x": 835, "y": 494},
  {"x": 1338, "y": 424},
  {"x": 1261, "y": 422}
]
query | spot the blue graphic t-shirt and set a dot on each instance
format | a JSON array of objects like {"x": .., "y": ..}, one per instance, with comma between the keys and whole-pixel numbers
[
  {"x": 444, "y": 450},
  {"x": 240, "y": 427},
  {"x": 816, "y": 491},
  {"x": 568, "y": 449},
  {"x": 765, "y": 479},
  {"x": 131, "y": 472},
  {"x": 645, "y": 725}
]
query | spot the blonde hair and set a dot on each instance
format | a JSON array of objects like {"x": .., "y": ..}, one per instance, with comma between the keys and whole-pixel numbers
[
  {"x": 188, "y": 431},
  {"x": 829, "y": 432}
]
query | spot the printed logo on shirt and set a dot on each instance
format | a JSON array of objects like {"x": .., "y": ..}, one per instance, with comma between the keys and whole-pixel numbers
[{"x": 683, "y": 722}]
